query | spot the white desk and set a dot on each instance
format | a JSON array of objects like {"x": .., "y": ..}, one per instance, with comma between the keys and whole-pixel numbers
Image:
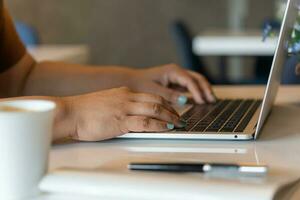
[
  {"x": 222, "y": 43},
  {"x": 67, "y": 53},
  {"x": 278, "y": 146}
]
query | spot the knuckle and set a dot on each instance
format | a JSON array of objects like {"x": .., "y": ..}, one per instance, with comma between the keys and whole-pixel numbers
[
  {"x": 192, "y": 83},
  {"x": 162, "y": 126},
  {"x": 123, "y": 129},
  {"x": 157, "y": 109},
  {"x": 146, "y": 122},
  {"x": 118, "y": 116},
  {"x": 174, "y": 118},
  {"x": 160, "y": 99},
  {"x": 203, "y": 80},
  {"x": 125, "y": 93},
  {"x": 125, "y": 89},
  {"x": 174, "y": 65}
]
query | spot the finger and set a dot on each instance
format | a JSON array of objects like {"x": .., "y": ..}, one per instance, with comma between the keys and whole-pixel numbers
[
  {"x": 152, "y": 98},
  {"x": 153, "y": 110},
  {"x": 170, "y": 95},
  {"x": 185, "y": 80},
  {"x": 145, "y": 124},
  {"x": 205, "y": 86}
]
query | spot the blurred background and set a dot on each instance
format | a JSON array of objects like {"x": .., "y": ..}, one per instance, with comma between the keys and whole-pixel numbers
[{"x": 143, "y": 33}]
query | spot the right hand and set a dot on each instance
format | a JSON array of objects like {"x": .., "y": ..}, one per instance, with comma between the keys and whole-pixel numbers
[{"x": 111, "y": 113}]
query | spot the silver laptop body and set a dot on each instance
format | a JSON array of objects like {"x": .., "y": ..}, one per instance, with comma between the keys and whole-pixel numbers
[{"x": 260, "y": 109}]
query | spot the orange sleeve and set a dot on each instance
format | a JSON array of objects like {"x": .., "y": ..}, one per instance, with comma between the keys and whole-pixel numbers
[{"x": 11, "y": 48}]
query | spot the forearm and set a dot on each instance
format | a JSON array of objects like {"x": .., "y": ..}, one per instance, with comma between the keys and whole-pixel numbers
[{"x": 62, "y": 79}]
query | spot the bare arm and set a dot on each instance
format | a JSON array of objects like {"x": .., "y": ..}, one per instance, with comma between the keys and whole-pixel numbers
[
  {"x": 12, "y": 83},
  {"x": 29, "y": 77},
  {"x": 78, "y": 116},
  {"x": 63, "y": 79}
]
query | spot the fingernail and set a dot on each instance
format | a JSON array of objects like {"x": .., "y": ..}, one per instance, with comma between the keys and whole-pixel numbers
[
  {"x": 170, "y": 126},
  {"x": 182, "y": 124},
  {"x": 182, "y": 100}
]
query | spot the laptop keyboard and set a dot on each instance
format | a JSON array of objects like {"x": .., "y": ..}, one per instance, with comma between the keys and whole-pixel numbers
[{"x": 223, "y": 116}]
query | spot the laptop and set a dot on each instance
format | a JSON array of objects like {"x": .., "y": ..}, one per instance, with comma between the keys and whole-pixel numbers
[{"x": 234, "y": 119}]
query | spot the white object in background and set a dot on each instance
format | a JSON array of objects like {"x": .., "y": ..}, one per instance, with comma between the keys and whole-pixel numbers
[
  {"x": 220, "y": 43},
  {"x": 24, "y": 147},
  {"x": 69, "y": 53},
  {"x": 234, "y": 44}
]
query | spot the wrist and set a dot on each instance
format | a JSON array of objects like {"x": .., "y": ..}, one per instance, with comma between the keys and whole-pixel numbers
[
  {"x": 64, "y": 123},
  {"x": 131, "y": 77}
]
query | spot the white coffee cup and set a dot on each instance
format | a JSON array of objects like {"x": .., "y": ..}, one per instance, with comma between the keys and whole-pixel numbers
[{"x": 25, "y": 139}]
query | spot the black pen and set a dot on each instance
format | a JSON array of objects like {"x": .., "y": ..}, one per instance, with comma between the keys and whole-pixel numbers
[{"x": 201, "y": 168}]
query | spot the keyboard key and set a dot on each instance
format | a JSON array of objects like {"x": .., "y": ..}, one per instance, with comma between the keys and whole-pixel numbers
[
  {"x": 224, "y": 116},
  {"x": 243, "y": 124},
  {"x": 211, "y": 116},
  {"x": 193, "y": 116},
  {"x": 237, "y": 116}
]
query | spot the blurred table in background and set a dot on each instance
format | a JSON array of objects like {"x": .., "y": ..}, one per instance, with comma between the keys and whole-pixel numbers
[
  {"x": 68, "y": 53},
  {"x": 227, "y": 43},
  {"x": 233, "y": 44}
]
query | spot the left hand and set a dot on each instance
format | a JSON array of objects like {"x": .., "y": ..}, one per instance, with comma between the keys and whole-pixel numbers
[{"x": 157, "y": 80}]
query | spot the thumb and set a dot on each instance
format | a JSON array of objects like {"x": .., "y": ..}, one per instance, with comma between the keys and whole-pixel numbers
[{"x": 169, "y": 94}]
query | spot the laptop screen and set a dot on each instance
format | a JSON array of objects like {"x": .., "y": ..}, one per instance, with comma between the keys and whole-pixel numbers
[{"x": 280, "y": 58}]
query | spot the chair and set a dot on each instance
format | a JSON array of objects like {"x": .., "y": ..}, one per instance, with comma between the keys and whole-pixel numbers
[
  {"x": 263, "y": 64},
  {"x": 289, "y": 75},
  {"x": 184, "y": 46}
]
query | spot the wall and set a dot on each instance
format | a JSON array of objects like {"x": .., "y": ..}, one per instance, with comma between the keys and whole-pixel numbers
[{"x": 127, "y": 32}]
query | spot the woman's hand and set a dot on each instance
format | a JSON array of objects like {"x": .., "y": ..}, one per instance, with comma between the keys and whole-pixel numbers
[
  {"x": 110, "y": 113},
  {"x": 158, "y": 80}
]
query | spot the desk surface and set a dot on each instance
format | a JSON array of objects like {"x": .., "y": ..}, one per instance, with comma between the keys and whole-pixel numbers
[
  {"x": 222, "y": 43},
  {"x": 278, "y": 146}
]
